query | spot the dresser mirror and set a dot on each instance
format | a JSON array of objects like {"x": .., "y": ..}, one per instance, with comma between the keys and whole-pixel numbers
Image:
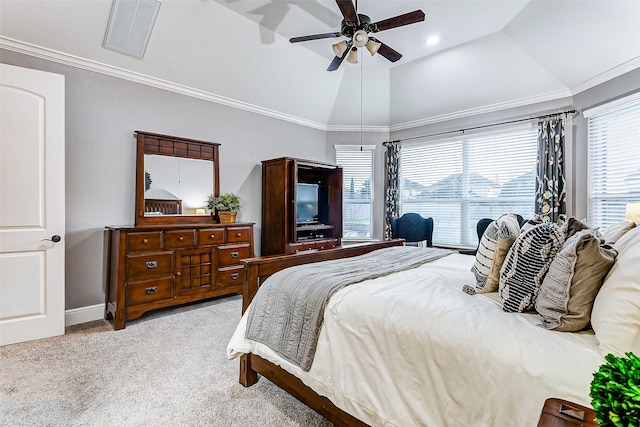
[{"x": 174, "y": 177}]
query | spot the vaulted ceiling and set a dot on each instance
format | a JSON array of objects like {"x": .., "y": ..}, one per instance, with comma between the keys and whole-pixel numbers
[{"x": 491, "y": 54}]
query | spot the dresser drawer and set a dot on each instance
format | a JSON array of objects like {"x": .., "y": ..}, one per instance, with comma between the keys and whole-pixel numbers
[
  {"x": 149, "y": 291},
  {"x": 238, "y": 234},
  {"x": 144, "y": 241},
  {"x": 149, "y": 265},
  {"x": 231, "y": 276},
  {"x": 179, "y": 239},
  {"x": 232, "y": 254},
  {"x": 211, "y": 236}
]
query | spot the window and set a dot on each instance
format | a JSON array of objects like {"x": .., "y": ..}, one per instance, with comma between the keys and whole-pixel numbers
[
  {"x": 357, "y": 189},
  {"x": 458, "y": 181},
  {"x": 614, "y": 159}
]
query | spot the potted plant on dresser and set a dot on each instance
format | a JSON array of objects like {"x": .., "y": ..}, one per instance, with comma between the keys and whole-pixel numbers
[{"x": 227, "y": 206}]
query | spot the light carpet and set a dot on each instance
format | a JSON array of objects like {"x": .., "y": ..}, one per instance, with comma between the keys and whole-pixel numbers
[{"x": 167, "y": 368}]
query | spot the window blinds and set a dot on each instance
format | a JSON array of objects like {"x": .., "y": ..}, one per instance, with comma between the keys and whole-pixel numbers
[
  {"x": 461, "y": 180},
  {"x": 357, "y": 189},
  {"x": 614, "y": 159}
]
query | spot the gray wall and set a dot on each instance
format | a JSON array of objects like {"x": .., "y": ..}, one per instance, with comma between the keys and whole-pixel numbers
[{"x": 101, "y": 114}]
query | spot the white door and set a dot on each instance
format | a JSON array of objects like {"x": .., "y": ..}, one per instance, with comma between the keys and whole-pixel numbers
[{"x": 31, "y": 204}]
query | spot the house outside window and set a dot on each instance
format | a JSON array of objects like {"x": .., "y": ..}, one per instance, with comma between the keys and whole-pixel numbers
[
  {"x": 614, "y": 159},
  {"x": 460, "y": 180},
  {"x": 357, "y": 190}
]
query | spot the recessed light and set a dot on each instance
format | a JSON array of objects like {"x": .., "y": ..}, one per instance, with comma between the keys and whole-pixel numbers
[{"x": 433, "y": 40}]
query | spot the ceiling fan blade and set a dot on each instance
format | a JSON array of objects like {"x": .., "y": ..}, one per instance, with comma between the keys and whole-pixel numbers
[
  {"x": 397, "y": 21},
  {"x": 388, "y": 53},
  {"x": 314, "y": 37},
  {"x": 335, "y": 64},
  {"x": 348, "y": 10}
]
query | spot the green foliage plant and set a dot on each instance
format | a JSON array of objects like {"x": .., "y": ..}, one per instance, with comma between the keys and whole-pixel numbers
[
  {"x": 615, "y": 392},
  {"x": 224, "y": 202}
]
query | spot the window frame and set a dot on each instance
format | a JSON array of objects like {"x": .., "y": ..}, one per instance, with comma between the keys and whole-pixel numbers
[
  {"x": 606, "y": 203},
  {"x": 468, "y": 206},
  {"x": 347, "y": 148}
]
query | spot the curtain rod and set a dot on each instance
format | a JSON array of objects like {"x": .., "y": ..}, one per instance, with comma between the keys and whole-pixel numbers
[{"x": 480, "y": 127}]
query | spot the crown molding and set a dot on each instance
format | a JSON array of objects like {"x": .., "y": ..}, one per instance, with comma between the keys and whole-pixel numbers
[
  {"x": 492, "y": 108},
  {"x": 614, "y": 72},
  {"x": 356, "y": 128},
  {"x": 109, "y": 70}
]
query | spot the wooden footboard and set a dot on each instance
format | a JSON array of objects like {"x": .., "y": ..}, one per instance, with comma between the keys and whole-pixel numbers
[{"x": 257, "y": 270}]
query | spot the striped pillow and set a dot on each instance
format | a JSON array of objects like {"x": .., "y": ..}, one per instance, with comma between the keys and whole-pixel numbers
[
  {"x": 494, "y": 245},
  {"x": 527, "y": 264}
]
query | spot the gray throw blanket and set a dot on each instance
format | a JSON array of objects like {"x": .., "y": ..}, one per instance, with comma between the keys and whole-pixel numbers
[{"x": 287, "y": 312}]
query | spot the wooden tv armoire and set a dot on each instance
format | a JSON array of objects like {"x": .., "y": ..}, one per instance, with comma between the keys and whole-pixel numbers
[{"x": 284, "y": 229}]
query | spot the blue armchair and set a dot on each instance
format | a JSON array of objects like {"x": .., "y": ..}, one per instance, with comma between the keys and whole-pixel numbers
[{"x": 413, "y": 228}]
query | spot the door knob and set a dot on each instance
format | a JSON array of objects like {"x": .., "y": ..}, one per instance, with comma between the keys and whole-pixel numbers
[{"x": 55, "y": 239}]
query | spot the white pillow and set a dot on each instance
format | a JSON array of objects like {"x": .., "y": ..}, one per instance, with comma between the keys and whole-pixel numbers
[
  {"x": 615, "y": 317},
  {"x": 612, "y": 234}
]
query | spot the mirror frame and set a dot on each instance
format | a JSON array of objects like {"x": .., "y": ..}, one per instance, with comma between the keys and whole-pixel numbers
[{"x": 165, "y": 145}]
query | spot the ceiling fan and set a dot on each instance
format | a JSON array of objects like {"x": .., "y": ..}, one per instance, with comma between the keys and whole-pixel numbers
[{"x": 356, "y": 27}]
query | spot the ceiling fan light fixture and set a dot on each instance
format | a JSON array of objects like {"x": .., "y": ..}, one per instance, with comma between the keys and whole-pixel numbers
[
  {"x": 360, "y": 38},
  {"x": 352, "y": 57},
  {"x": 339, "y": 48},
  {"x": 373, "y": 47}
]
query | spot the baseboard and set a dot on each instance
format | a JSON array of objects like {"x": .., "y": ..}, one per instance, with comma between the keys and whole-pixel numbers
[{"x": 75, "y": 316}]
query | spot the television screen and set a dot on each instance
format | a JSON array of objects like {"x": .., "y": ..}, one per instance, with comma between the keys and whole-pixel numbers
[{"x": 306, "y": 203}]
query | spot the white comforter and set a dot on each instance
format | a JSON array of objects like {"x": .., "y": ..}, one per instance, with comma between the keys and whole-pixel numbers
[{"x": 413, "y": 349}]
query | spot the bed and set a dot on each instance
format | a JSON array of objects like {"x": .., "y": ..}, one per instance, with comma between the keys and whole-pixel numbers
[
  {"x": 162, "y": 206},
  {"x": 411, "y": 348}
]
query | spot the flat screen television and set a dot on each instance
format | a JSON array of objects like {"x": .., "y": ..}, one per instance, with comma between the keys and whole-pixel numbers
[{"x": 307, "y": 203}]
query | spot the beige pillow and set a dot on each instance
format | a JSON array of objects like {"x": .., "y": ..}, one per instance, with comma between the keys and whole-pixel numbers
[
  {"x": 572, "y": 283},
  {"x": 612, "y": 234},
  {"x": 573, "y": 225},
  {"x": 486, "y": 267},
  {"x": 615, "y": 317}
]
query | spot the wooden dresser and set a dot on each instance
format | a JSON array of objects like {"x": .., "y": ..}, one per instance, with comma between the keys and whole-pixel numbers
[{"x": 160, "y": 266}]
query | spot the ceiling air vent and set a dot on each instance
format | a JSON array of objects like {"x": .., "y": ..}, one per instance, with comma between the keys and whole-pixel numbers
[{"x": 130, "y": 26}]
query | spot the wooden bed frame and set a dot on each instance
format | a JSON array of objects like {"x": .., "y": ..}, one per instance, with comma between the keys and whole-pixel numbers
[{"x": 257, "y": 270}]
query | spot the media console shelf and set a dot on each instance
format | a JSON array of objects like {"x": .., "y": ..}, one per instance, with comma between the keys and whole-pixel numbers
[{"x": 301, "y": 206}]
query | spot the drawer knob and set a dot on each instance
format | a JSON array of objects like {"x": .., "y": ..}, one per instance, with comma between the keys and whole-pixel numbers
[
  {"x": 145, "y": 241},
  {"x": 235, "y": 254},
  {"x": 181, "y": 238},
  {"x": 178, "y": 273},
  {"x": 213, "y": 236},
  {"x": 234, "y": 276},
  {"x": 151, "y": 264},
  {"x": 238, "y": 234},
  {"x": 151, "y": 290}
]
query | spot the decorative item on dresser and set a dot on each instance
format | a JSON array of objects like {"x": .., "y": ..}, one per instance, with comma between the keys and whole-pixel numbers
[
  {"x": 170, "y": 258},
  {"x": 301, "y": 206}
]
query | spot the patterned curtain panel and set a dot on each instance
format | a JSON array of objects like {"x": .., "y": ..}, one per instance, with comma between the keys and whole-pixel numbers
[
  {"x": 391, "y": 185},
  {"x": 551, "y": 195}
]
